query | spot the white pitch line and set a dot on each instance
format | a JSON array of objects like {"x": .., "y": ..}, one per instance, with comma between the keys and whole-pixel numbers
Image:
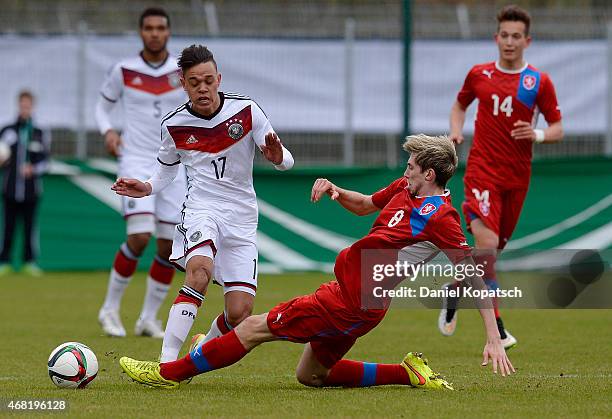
[
  {"x": 281, "y": 255},
  {"x": 600, "y": 238},
  {"x": 563, "y": 225},
  {"x": 99, "y": 187},
  {"x": 268, "y": 268},
  {"x": 104, "y": 165},
  {"x": 57, "y": 167},
  {"x": 320, "y": 236}
]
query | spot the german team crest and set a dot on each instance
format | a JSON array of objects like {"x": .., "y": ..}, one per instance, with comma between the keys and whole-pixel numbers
[
  {"x": 131, "y": 204},
  {"x": 235, "y": 129},
  {"x": 427, "y": 209},
  {"x": 529, "y": 82},
  {"x": 195, "y": 236},
  {"x": 174, "y": 80}
]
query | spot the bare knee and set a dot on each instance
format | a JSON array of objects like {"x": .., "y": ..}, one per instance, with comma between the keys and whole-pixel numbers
[
  {"x": 484, "y": 237},
  {"x": 238, "y": 311},
  {"x": 198, "y": 273},
  {"x": 310, "y": 371},
  {"x": 137, "y": 243},
  {"x": 487, "y": 241},
  {"x": 308, "y": 379},
  {"x": 164, "y": 248}
]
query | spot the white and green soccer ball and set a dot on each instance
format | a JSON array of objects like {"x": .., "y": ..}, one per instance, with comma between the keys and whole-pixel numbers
[{"x": 72, "y": 365}]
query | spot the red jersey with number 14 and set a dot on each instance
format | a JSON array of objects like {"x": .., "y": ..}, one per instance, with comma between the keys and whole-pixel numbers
[{"x": 505, "y": 97}]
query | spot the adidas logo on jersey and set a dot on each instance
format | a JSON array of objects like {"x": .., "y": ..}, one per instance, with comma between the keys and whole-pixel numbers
[
  {"x": 191, "y": 140},
  {"x": 137, "y": 81}
]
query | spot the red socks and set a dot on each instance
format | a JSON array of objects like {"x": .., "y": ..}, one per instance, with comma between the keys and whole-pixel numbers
[
  {"x": 348, "y": 373},
  {"x": 161, "y": 271},
  {"x": 124, "y": 265},
  {"x": 217, "y": 353},
  {"x": 222, "y": 324}
]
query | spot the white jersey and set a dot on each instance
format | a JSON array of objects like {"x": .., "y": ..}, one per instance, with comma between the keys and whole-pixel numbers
[
  {"x": 217, "y": 152},
  {"x": 148, "y": 92}
]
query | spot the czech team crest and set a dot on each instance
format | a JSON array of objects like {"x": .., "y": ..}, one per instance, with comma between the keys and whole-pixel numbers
[
  {"x": 529, "y": 82},
  {"x": 427, "y": 209},
  {"x": 235, "y": 129}
]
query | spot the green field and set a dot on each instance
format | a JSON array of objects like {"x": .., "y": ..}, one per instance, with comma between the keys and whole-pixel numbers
[{"x": 563, "y": 360}]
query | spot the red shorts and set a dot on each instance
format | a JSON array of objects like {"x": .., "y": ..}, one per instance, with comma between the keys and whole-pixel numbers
[
  {"x": 499, "y": 209},
  {"x": 324, "y": 320}
]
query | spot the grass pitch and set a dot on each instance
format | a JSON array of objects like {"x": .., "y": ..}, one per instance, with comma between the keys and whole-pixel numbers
[{"x": 563, "y": 359}]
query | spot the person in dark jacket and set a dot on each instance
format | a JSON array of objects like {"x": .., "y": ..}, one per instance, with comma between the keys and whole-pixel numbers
[{"x": 22, "y": 184}]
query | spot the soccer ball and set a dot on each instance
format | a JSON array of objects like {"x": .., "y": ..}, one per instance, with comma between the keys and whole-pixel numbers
[
  {"x": 72, "y": 365},
  {"x": 5, "y": 152}
]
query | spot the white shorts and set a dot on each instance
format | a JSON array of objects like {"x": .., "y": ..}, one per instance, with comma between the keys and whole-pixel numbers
[
  {"x": 234, "y": 249},
  {"x": 165, "y": 206}
]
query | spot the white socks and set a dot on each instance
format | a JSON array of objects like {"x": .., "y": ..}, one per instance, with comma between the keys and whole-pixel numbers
[
  {"x": 154, "y": 297},
  {"x": 114, "y": 293},
  {"x": 182, "y": 315}
]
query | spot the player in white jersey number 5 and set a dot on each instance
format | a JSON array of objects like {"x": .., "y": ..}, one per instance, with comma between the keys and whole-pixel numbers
[
  {"x": 148, "y": 85},
  {"x": 214, "y": 135}
]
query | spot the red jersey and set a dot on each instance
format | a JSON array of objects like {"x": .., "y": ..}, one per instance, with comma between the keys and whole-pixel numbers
[
  {"x": 420, "y": 226},
  {"x": 505, "y": 97}
]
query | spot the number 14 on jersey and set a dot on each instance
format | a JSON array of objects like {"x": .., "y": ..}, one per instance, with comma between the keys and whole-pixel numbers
[{"x": 505, "y": 106}]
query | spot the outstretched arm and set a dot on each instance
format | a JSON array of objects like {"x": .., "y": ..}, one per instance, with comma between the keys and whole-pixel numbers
[
  {"x": 134, "y": 188},
  {"x": 493, "y": 350},
  {"x": 274, "y": 151},
  {"x": 355, "y": 202}
]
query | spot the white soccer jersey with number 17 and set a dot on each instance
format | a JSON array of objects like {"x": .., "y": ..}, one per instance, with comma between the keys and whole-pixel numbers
[
  {"x": 217, "y": 152},
  {"x": 148, "y": 93}
]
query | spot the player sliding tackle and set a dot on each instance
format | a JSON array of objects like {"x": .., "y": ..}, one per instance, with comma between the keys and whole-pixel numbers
[{"x": 415, "y": 214}]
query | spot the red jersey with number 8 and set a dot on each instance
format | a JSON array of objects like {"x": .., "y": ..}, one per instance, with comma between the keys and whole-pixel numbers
[{"x": 505, "y": 97}]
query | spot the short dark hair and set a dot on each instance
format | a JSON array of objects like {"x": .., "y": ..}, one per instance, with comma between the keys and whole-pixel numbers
[
  {"x": 194, "y": 55},
  {"x": 514, "y": 13},
  {"x": 153, "y": 11},
  {"x": 25, "y": 94}
]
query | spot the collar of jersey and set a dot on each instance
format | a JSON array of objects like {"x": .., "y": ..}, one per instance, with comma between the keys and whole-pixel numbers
[
  {"x": 160, "y": 65},
  {"x": 505, "y": 70},
  {"x": 212, "y": 115},
  {"x": 446, "y": 193}
]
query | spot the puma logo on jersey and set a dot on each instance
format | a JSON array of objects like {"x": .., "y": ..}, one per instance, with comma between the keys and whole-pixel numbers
[
  {"x": 278, "y": 316},
  {"x": 488, "y": 73},
  {"x": 191, "y": 140}
]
